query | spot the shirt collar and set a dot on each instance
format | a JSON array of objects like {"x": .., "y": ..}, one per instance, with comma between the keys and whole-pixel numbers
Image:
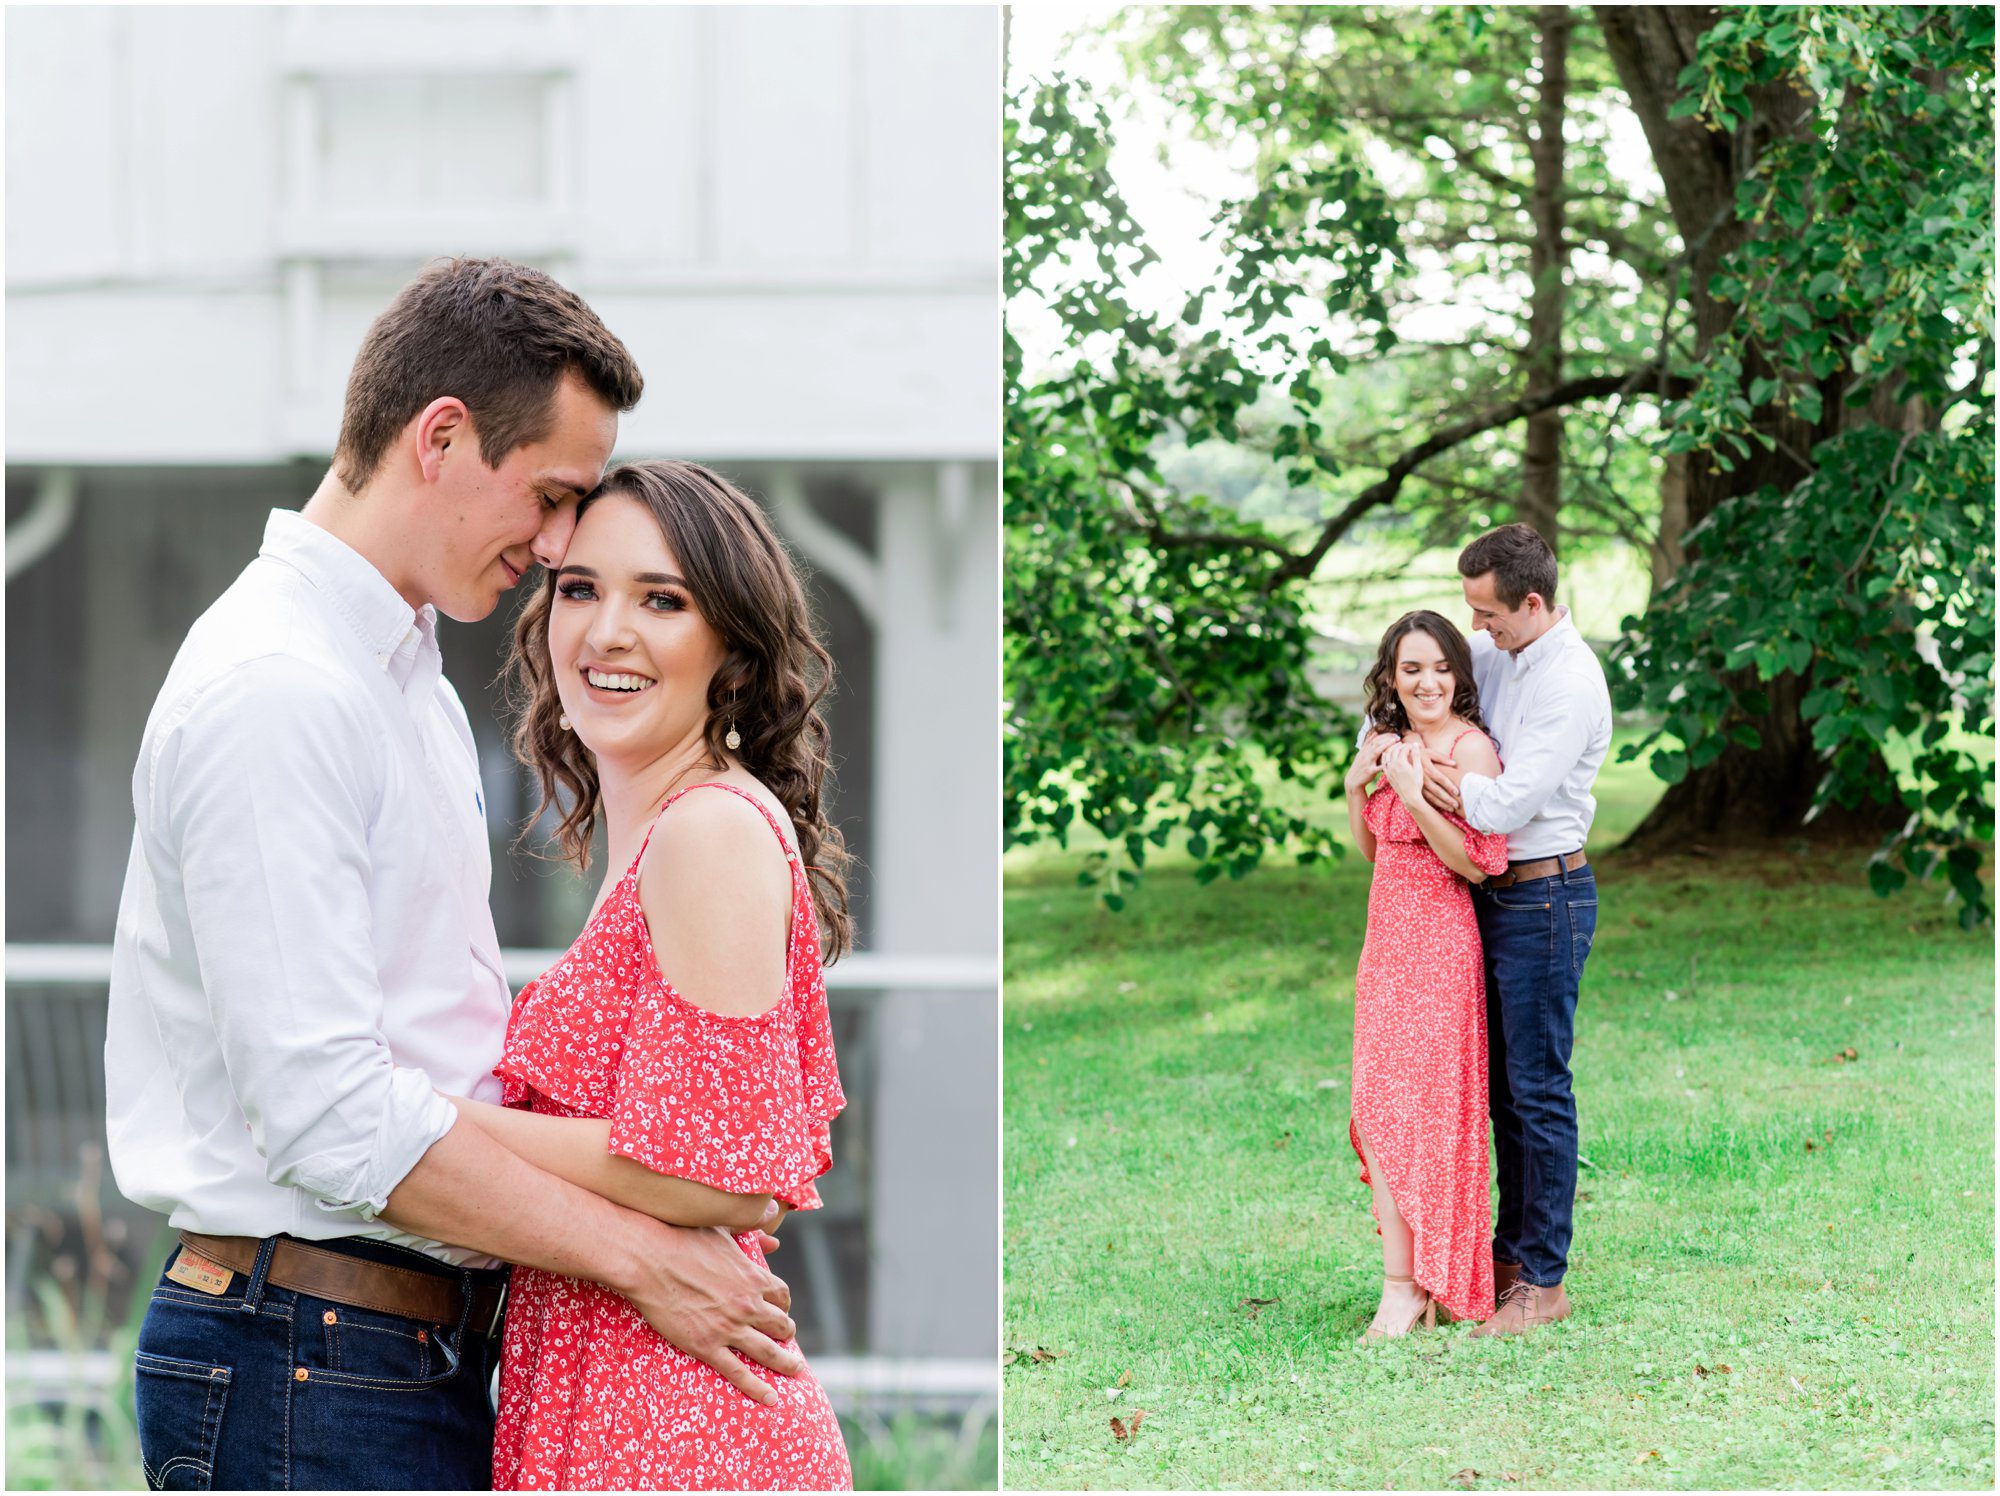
[
  {"x": 400, "y": 638},
  {"x": 1549, "y": 645}
]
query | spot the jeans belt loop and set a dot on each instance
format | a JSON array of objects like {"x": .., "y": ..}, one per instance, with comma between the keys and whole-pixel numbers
[{"x": 260, "y": 1271}]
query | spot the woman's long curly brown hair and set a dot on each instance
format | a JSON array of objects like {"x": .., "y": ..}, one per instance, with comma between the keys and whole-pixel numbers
[
  {"x": 1385, "y": 707},
  {"x": 769, "y": 684}
]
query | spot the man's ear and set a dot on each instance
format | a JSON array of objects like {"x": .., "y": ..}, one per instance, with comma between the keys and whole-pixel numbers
[{"x": 438, "y": 426}]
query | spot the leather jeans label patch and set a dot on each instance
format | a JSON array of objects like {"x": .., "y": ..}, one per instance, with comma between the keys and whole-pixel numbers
[{"x": 198, "y": 1273}]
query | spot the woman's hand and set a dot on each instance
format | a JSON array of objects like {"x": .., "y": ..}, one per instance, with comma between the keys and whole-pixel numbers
[
  {"x": 1368, "y": 761},
  {"x": 1403, "y": 763}
]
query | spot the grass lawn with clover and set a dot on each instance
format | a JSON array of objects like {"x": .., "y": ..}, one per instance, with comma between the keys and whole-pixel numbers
[{"x": 1783, "y": 1265}]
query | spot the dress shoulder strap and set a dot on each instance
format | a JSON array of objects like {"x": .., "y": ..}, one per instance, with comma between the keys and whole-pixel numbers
[
  {"x": 762, "y": 809},
  {"x": 1452, "y": 746}
]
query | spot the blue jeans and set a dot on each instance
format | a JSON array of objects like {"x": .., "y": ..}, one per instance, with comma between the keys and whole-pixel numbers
[
  {"x": 262, "y": 1388},
  {"x": 1536, "y": 937}
]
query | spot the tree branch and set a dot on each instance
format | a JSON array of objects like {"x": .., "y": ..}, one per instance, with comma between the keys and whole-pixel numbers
[{"x": 1379, "y": 493}]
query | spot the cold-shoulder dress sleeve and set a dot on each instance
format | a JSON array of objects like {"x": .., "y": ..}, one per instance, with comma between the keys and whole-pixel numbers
[
  {"x": 738, "y": 1103},
  {"x": 1487, "y": 849}
]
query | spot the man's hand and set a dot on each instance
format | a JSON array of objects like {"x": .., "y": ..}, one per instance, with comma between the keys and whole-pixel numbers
[
  {"x": 700, "y": 1292},
  {"x": 1441, "y": 777},
  {"x": 695, "y": 1286}
]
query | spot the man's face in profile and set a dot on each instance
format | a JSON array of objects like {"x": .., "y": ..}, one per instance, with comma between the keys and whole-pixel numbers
[
  {"x": 1510, "y": 628},
  {"x": 493, "y": 524}
]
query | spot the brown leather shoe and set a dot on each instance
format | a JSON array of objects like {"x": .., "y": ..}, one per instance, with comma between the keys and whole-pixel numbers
[
  {"x": 1504, "y": 1274},
  {"x": 1526, "y": 1306}
]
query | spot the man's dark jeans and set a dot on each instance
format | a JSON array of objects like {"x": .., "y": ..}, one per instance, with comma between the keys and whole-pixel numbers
[
  {"x": 1536, "y": 936},
  {"x": 262, "y": 1388}
]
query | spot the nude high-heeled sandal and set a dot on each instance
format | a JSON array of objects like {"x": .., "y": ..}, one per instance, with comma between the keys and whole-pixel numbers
[{"x": 1428, "y": 1314}]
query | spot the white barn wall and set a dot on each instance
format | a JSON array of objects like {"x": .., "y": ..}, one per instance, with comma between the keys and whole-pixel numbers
[{"x": 786, "y": 204}]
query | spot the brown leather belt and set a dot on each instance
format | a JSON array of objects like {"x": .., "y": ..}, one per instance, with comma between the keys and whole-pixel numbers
[
  {"x": 1547, "y": 867},
  {"x": 357, "y": 1281}
]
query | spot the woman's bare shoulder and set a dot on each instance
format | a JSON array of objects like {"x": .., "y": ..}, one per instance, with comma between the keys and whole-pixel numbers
[{"x": 1474, "y": 752}]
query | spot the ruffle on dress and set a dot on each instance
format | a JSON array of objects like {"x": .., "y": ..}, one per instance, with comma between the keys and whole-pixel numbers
[{"x": 739, "y": 1103}]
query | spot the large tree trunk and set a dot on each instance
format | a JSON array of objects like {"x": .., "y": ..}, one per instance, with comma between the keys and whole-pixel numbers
[
  {"x": 1668, "y": 555},
  {"x": 1746, "y": 794},
  {"x": 1541, "y": 466}
]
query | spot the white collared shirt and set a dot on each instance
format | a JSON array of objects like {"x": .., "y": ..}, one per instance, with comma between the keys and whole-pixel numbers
[
  {"x": 304, "y": 955},
  {"x": 1549, "y": 711}
]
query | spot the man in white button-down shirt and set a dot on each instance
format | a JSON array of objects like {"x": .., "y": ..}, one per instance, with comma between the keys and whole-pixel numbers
[
  {"x": 1542, "y": 693},
  {"x": 305, "y": 959}
]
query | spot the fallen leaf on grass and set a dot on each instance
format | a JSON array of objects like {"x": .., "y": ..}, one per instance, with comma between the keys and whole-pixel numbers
[
  {"x": 1125, "y": 1379},
  {"x": 1465, "y": 1477},
  {"x": 1722, "y": 1367},
  {"x": 1029, "y": 1355},
  {"x": 1283, "y": 1140},
  {"x": 1700, "y": 1370},
  {"x": 1122, "y": 1431},
  {"x": 1650, "y": 1454},
  {"x": 1255, "y": 1306}
]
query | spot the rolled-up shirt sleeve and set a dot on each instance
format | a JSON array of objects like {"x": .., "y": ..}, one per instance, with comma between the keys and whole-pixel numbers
[
  {"x": 1537, "y": 763},
  {"x": 272, "y": 831}
]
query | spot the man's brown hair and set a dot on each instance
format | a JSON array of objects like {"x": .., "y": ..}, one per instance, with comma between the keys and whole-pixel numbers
[
  {"x": 497, "y": 335},
  {"x": 1520, "y": 560}
]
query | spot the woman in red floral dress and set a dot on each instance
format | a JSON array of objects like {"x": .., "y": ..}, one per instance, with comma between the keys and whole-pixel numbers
[
  {"x": 678, "y": 1058},
  {"x": 1419, "y": 1100}
]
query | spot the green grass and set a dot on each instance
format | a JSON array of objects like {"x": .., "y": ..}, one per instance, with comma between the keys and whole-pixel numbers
[{"x": 1176, "y": 1109}]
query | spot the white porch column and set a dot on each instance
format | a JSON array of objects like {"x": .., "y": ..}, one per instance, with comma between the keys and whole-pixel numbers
[{"x": 936, "y": 873}]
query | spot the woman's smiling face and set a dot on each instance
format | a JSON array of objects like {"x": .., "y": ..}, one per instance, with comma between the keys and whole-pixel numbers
[
  {"x": 1424, "y": 680},
  {"x": 631, "y": 651}
]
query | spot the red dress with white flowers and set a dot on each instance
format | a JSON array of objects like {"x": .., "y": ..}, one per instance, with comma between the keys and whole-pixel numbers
[
  {"x": 590, "y": 1397},
  {"x": 1420, "y": 1050}
]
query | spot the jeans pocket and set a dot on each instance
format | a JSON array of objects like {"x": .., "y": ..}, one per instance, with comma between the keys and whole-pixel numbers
[
  {"x": 180, "y": 1405},
  {"x": 1582, "y": 930},
  {"x": 365, "y": 1347}
]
